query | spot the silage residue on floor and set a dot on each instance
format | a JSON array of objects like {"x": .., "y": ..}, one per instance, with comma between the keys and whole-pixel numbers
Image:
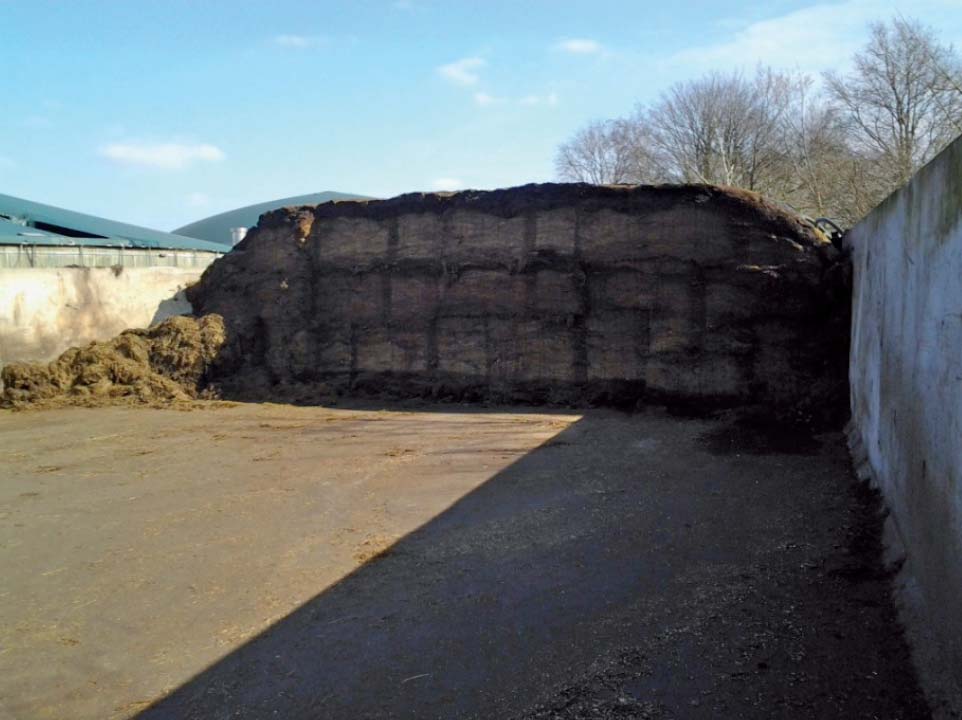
[{"x": 167, "y": 362}]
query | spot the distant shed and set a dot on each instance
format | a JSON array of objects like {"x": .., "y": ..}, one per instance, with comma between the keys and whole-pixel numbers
[
  {"x": 34, "y": 235},
  {"x": 67, "y": 278}
]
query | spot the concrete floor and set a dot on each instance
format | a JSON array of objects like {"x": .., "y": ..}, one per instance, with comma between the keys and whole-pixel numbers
[{"x": 272, "y": 561}]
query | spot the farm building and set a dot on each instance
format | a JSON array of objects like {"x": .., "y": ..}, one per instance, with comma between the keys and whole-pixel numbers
[{"x": 67, "y": 278}]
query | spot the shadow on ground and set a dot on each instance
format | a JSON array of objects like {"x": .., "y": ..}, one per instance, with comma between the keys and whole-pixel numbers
[{"x": 632, "y": 566}]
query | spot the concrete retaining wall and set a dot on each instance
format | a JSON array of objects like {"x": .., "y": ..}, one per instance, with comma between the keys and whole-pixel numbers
[
  {"x": 906, "y": 379},
  {"x": 44, "y": 311}
]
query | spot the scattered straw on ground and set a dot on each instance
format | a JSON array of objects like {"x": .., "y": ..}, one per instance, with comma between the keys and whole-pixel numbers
[{"x": 166, "y": 363}]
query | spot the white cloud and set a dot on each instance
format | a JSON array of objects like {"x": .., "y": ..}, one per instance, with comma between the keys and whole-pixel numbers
[
  {"x": 297, "y": 41},
  {"x": 789, "y": 41},
  {"x": 447, "y": 184},
  {"x": 169, "y": 156},
  {"x": 551, "y": 100},
  {"x": 484, "y": 100},
  {"x": 579, "y": 46},
  {"x": 197, "y": 199},
  {"x": 463, "y": 71}
]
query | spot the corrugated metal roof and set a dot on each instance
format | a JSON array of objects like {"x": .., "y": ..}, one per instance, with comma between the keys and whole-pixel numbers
[
  {"x": 10, "y": 229},
  {"x": 31, "y": 223}
]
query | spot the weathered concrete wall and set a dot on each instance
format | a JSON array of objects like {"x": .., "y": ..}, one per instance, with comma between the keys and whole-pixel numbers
[
  {"x": 906, "y": 378},
  {"x": 44, "y": 311},
  {"x": 563, "y": 293}
]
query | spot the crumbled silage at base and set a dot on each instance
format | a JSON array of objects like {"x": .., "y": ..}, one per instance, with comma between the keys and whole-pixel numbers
[{"x": 168, "y": 362}]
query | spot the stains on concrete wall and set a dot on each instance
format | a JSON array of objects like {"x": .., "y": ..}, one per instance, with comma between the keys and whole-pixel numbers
[
  {"x": 543, "y": 293},
  {"x": 45, "y": 311},
  {"x": 906, "y": 378}
]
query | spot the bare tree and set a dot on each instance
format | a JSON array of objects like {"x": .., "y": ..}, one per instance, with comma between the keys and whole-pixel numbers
[
  {"x": 902, "y": 102},
  {"x": 722, "y": 128},
  {"x": 610, "y": 151},
  {"x": 835, "y": 152},
  {"x": 686, "y": 128},
  {"x": 819, "y": 173},
  {"x": 946, "y": 67}
]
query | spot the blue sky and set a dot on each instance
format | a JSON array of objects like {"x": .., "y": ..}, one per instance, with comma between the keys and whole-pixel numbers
[{"x": 160, "y": 113}]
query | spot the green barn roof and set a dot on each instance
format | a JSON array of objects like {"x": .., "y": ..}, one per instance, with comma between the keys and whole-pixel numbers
[
  {"x": 23, "y": 222},
  {"x": 217, "y": 227}
]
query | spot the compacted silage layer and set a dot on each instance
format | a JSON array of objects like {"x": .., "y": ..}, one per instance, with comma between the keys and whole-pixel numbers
[{"x": 695, "y": 297}]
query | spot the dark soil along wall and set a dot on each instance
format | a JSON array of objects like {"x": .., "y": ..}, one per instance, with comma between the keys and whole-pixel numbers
[{"x": 543, "y": 293}]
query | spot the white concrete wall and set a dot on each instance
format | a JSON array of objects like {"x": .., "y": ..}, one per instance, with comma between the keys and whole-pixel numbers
[
  {"x": 44, "y": 311},
  {"x": 906, "y": 376}
]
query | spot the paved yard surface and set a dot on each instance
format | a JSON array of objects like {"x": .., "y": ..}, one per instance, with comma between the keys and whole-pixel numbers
[{"x": 264, "y": 561}]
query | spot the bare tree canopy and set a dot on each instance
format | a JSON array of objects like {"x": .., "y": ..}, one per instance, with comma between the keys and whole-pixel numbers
[
  {"x": 902, "y": 100},
  {"x": 833, "y": 151},
  {"x": 722, "y": 128},
  {"x": 607, "y": 152}
]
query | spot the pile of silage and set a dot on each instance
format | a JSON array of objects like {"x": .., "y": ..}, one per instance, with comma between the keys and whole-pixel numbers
[{"x": 167, "y": 362}]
